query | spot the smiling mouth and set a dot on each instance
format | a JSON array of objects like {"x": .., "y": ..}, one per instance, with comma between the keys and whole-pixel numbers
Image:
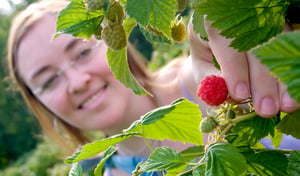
[{"x": 92, "y": 99}]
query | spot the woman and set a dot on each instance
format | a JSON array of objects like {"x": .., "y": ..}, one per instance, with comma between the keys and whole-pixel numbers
[{"x": 68, "y": 80}]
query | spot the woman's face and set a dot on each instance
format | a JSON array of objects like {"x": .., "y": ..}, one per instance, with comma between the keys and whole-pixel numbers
[{"x": 72, "y": 78}]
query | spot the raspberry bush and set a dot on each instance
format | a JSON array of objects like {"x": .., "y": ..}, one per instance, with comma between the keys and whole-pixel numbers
[{"x": 234, "y": 133}]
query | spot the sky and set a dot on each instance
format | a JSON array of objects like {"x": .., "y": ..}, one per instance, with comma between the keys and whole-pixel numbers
[{"x": 5, "y": 7}]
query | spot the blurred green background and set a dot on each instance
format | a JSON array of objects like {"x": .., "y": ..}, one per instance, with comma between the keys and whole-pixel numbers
[{"x": 23, "y": 148}]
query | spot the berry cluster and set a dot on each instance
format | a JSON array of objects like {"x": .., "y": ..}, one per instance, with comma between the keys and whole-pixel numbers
[{"x": 111, "y": 30}]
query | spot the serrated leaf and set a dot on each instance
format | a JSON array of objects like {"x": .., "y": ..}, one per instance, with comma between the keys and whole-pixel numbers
[
  {"x": 76, "y": 170},
  {"x": 290, "y": 124},
  {"x": 258, "y": 20},
  {"x": 192, "y": 152},
  {"x": 178, "y": 121},
  {"x": 294, "y": 164},
  {"x": 152, "y": 38},
  {"x": 70, "y": 159},
  {"x": 198, "y": 25},
  {"x": 117, "y": 60},
  {"x": 91, "y": 149},
  {"x": 199, "y": 171},
  {"x": 107, "y": 154},
  {"x": 267, "y": 163},
  {"x": 163, "y": 158},
  {"x": 157, "y": 13},
  {"x": 282, "y": 57},
  {"x": 223, "y": 159},
  {"x": 249, "y": 132},
  {"x": 76, "y": 20}
]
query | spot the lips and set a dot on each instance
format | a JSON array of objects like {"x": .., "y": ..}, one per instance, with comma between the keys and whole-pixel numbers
[{"x": 93, "y": 100}]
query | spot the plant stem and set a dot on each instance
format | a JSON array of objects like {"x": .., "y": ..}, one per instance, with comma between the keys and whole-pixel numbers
[
  {"x": 243, "y": 117},
  {"x": 148, "y": 144},
  {"x": 233, "y": 122}
]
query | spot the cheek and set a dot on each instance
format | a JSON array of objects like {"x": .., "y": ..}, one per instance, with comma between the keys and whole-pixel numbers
[
  {"x": 100, "y": 65},
  {"x": 59, "y": 105}
]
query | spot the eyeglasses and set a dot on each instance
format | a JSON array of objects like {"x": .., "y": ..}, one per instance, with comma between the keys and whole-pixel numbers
[{"x": 82, "y": 57}]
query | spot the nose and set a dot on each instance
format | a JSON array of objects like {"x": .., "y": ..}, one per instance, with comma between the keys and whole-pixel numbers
[{"x": 77, "y": 80}]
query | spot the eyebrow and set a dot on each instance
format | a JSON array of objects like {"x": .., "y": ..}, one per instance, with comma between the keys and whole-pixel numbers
[
  {"x": 43, "y": 69},
  {"x": 40, "y": 71},
  {"x": 71, "y": 44}
]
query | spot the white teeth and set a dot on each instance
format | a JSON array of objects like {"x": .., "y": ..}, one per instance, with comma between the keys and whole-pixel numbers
[{"x": 89, "y": 101}]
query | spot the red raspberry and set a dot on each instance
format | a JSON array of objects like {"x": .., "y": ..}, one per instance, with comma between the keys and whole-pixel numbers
[{"x": 213, "y": 90}]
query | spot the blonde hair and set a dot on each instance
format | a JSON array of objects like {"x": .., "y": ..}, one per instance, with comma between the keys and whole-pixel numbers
[{"x": 20, "y": 26}]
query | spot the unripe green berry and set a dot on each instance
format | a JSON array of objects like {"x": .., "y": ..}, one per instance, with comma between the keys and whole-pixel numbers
[
  {"x": 95, "y": 4},
  {"x": 178, "y": 31},
  {"x": 230, "y": 114},
  {"x": 114, "y": 36},
  {"x": 207, "y": 125},
  {"x": 115, "y": 13}
]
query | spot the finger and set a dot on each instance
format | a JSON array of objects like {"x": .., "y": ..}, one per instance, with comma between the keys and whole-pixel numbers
[
  {"x": 201, "y": 56},
  {"x": 264, "y": 88},
  {"x": 287, "y": 104},
  {"x": 234, "y": 65}
]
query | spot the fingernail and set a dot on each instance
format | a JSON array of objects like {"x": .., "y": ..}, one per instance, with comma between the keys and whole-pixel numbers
[
  {"x": 268, "y": 106},
  {"x": 241, "y": 90},
  {"x": 288, "y": 102}
]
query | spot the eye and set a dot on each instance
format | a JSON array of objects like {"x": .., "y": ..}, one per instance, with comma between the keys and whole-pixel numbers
[
  {"x": 51, "y": 82},
  {"x": 84, "y": 53}
]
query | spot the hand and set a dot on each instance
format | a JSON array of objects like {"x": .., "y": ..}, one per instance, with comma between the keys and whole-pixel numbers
[{"x": 245, "y": 76}]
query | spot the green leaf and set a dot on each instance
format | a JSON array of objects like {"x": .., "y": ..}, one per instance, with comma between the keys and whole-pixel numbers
[
  {"x": 282, "y": 57},
  {"x": 70, "y": 159},
  {"x": 198, "y": 25},
  {"x": 107, "y": 154},
  {"x": 161, "y": 159},
  {"x": 199, "y": 171},
  {"x": 223, "y": 159},
  {"x": 192, "y": 152},
  {"x": 75, "y": 20},
  {"x": 277, "y": 138},
  {"x": 91, "y": 149},
  {"x": 157, "y": 13},
  {"x": 268, "y": 163},
  {"x": 294, "y": 163},
  {"x": 290, "y": 124},
  {"x": 178, "y": 121},
  {"x": 129, "y": 24},
  {"x": 76, "y": 170},
  {"x": 152, "y": 38},
  {"x": 258, "y": 20},
  {"x": 117, "y": 60},
  {"x": 249, "y": 132}
]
